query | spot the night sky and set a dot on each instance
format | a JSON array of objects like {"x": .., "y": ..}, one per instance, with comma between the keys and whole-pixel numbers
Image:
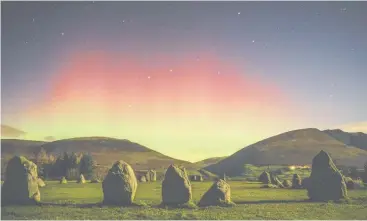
[{"x": 188, "y": 79}]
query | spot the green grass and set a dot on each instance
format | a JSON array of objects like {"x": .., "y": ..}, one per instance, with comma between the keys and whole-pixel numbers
[{"x": 252, "y": 203}]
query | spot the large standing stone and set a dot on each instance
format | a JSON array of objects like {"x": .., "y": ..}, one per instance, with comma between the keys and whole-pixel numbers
[
  {"x": 219, "y": 194},
  {"x": 265, "y": 178},
  {"x": 326, "y": 182},
  {"x": 120, "y": 184},
  {"x": 296, "y": 182},
  {"x": 176, "y": 187},
  {"x": 21, "y": 182}
]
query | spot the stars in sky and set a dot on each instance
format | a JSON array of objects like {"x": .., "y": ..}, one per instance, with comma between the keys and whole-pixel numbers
[
  {"x": 149, "y": 77},
  {"x": 62, "y": 33},
  {"x": 170, "y": 70},
  {"x": 238, "y": 13},
  {"x": 253, "y": 41}
]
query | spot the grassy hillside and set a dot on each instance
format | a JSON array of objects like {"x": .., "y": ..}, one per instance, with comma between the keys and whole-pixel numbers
[
  {"x": 103, "y": 149},
  {"x": 74, "y": 201},
  {"x": 291, "y": 148},
  {"x": 208, "y": 161},
  {"x": 11, "y": 147},
  {"x": 352, "y": 139}
]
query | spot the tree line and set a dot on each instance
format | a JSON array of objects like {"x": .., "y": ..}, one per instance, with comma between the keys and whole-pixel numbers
[{"x": 66, "y": 164}]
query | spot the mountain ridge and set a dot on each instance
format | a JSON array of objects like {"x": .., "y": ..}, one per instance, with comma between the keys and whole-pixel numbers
[{"x": 289, "y": 148}]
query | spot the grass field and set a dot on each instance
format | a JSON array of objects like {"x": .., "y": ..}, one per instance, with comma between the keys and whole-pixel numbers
[{"x": 79, "y": 201}]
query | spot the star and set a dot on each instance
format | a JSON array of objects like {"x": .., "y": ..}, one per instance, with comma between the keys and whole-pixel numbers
[
  {"x": 331, "y": 96},
  {"x": 170, "y": 70},
  {"x": 238, "y": 13},
  {"x": 130, "y": 106},
  {"x": 148, "y": 77},
  {"x": 123, "y": 21},
  {"x": 253, "y": 41},
  {"x": 62, "y": 33},
  {"x": 25, "y": 42},
  {"x": 218, "y": 72},
  {"x": 32, "y": 19}
]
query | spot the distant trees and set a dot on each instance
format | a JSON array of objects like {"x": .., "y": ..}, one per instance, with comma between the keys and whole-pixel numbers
[
  {"x": 70, "y": 165},
  {"x": 87, "y": 166}
]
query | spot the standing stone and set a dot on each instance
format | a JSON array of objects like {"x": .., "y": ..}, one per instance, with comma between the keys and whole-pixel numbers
[
  {"x": 152, "y": 175},
  {"x": 306, "y": 182},
  {"x": 176, "y": 187},
  {"x": 275, "y": 181},
  {"x": 219, "y": 194},
  {"x": 201, "y": 179},
  {"x": 287, "y": 183},
  {"x": 120, "y": 184},
  {"x": 81, "y": 179},
  {"x": 326, "y": 182},
  {"x": 265, "y": 178},
  {"x": 143, "y": 179},
  {"x": 349, "y": 182},
  {"x": 63, "y": 180},
  {"x": 296, "y": 182},
  {"x": 21, "y": 182}
]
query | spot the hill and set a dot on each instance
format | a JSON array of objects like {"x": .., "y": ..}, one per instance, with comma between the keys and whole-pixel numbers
[
  {"x": 352, "y": 139},
  {"x": 296, "y": 147},
  {"x": 208, "y": 161},
  {"x": 103, "y": 149},
  {"x": 11, "y": 147},
  {"x": 11, "y": 132}
]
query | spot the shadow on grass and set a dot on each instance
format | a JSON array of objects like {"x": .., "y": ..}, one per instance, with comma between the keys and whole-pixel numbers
[
  {"x": 87, "y": 205},
  {"x": 273, "y": 201}
]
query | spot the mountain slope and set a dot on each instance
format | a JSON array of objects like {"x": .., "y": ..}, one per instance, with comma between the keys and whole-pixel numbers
[
  {"x": 293, "y": 147},
  {"x": 208, "y": 161},
  {"x": 11, "y": 132},
  {"x": 103, "y": 149},
  {"x": 352, "y": 139},
  {"x": 11, "y": 147}
]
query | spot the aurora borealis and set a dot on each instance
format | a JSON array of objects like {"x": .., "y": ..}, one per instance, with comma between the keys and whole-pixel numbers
[{"x": 191, "y": 80}]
